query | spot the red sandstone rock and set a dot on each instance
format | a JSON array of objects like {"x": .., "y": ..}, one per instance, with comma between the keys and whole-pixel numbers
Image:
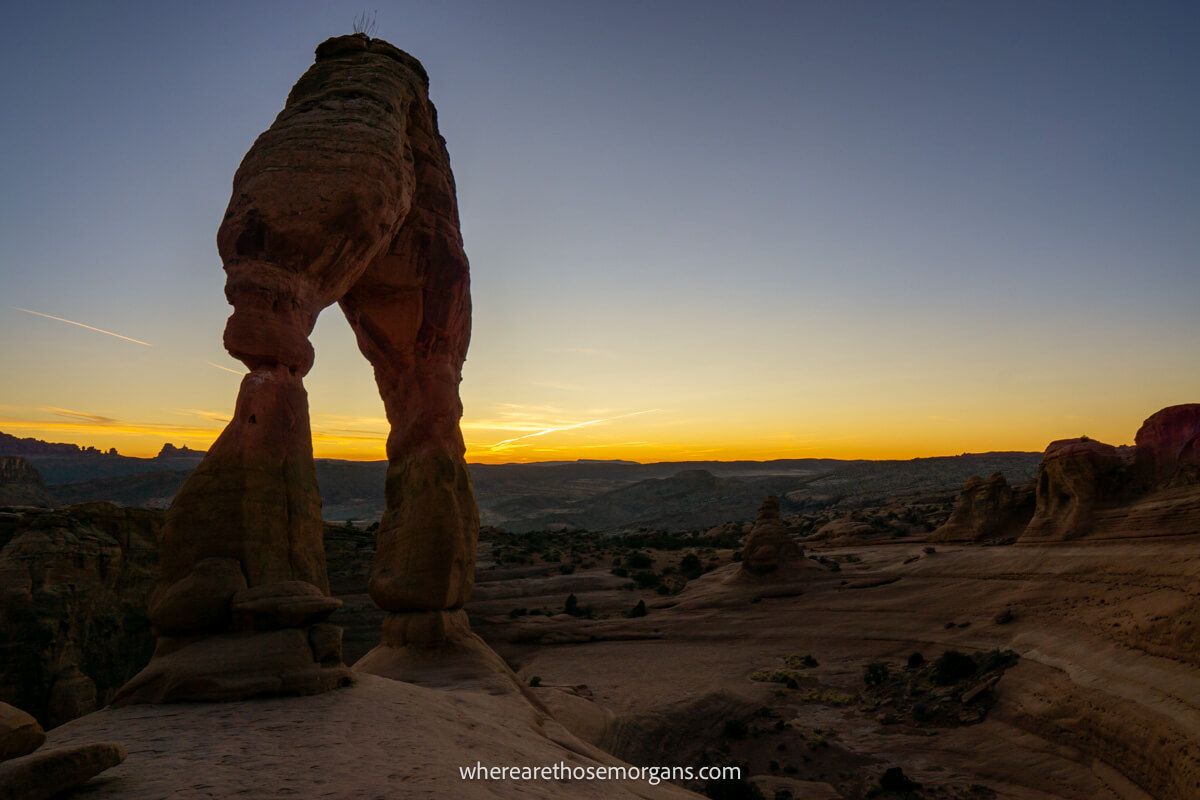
[
  {"x": 20, "y": 733},
  {"x": 769, "y": 547},
  {"x": 987, "y": 509},
  {"x": 1076, "y": 477},
  {"x": 1168, "y": 446},
  {"x": 348, "y": 197},
  {"x": 1086, "y": 488}
]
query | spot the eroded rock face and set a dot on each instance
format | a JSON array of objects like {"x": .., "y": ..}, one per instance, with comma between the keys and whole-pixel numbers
[
  {"x": 1086, "y": 488},
  {"x": 74, "y": 584},
  {"x": 1168, "y": 447},
  {"x": 1077, "y": 477},
  {"x": 987, "y": 509},
  {"x": 74, "y": 588},
  {"x": 20, "y": 484},
  {"x": 348, "y": 197},
  {"x": 769, "y": 547}
]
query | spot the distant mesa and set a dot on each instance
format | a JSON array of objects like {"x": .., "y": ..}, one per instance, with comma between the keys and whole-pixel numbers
[
  {"x": 14, "y": 446},
  {"x": 171, "y": 451}
]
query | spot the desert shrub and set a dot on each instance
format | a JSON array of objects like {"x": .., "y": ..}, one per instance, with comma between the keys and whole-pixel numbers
[
  {"x": 690, "y": 566},
  {"x": 646, "y": 579},
  {"x": 894, "y": 780},
  {"x": 876, "y": 673},
  {"x": 996, "y": 659},
  {"x": 573, "y": 608},
  {"x": 916, "y": 661},
  {"x": 620, "y": 572},
  {"x": 735, "y": 729},
  {"x": 519, "y": 612},
  {"x": 637, "y": 611},
  {"x": 638, "y": 560},
  {"x": 952, "y": 667},
  {"x": 732, "y": 789},
  {"x": 566, "y": 569},
  {"x": 800, "y": 662},
  {"x": 535, "y": 681}
]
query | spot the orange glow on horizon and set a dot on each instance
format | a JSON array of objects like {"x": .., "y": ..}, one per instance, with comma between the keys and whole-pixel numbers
[{"x": 144, "y": 440}]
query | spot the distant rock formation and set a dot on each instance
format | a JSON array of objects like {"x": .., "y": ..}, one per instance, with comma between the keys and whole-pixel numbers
[
  {"x": 73, "y": 606},
  {"x": 987, "y": 509},
  {"x": 73, "y": 612},
  {"x": 76, "y": 583},
  {"x": 21, "y": 485},
  {"x": 14, "y": 446},
  {"x": 1168, "y": 447},
  {"x": 769, "y": 548},
  {"x": 348, "y": 197},
  {"x": 1088, "y": 488},
  {"x": 171, "y": 451},
  {"x": 1077, "y": 477}
]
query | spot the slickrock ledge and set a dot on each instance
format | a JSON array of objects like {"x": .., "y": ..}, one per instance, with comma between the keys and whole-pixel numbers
[{"x": 377, "y": 739}]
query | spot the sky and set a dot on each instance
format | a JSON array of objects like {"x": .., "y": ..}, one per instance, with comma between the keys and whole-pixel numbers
[{"x": 697, "y": 230}]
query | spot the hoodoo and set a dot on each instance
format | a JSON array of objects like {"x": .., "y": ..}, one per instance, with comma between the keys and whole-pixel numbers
[{"x": 769, "y": 548}]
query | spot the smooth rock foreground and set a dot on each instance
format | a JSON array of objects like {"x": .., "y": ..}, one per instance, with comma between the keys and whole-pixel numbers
[
  {"x": 377, "y": 739},
  {"x": 51, "y": 772},
  {"x": 30, "y": 773}
]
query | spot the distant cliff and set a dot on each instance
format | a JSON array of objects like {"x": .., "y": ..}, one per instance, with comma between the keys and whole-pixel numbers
[{"x": 20, "y": 484}]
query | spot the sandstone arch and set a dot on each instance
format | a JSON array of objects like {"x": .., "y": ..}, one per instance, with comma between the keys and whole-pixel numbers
[{"x": 347, "y": 198}]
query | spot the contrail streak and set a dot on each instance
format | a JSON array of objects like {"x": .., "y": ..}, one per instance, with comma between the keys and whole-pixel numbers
[
  {"x": 227, "y": 369},
  {"x": 85, "y": 327},
  {"x": 571, "y": 427}
]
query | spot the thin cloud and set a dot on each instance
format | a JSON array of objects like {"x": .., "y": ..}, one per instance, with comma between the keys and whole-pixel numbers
[
  {"x": 80, "y": 415},
  {"x": 84, "y": 326},
  {"x": 212, "y": 416},
  {"x": 508, "y": 443}
]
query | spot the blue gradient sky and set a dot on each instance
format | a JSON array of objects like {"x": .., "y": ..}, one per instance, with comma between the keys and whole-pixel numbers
[{"x": 707, "y": 229}]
